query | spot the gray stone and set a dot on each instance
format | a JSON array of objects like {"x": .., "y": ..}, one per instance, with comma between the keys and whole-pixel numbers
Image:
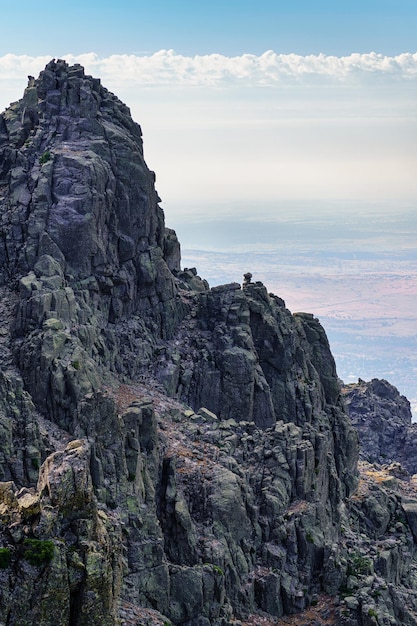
[{"x": 382, "y": 418}]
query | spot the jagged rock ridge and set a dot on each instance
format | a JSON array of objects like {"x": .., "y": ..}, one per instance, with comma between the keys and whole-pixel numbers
[{"x": 185, "y": 450}]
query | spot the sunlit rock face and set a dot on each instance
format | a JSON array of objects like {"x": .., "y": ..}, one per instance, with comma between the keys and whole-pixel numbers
[{"x": 186, "y": 450}]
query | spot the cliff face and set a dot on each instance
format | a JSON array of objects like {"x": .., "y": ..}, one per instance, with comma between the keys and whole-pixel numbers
[
  {"x": 382, "y": 418},
  {"x": 169, "y": 452}
]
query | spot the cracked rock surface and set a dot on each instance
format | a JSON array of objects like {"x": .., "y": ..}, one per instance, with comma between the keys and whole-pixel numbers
[{"x": 170, "y": 453}]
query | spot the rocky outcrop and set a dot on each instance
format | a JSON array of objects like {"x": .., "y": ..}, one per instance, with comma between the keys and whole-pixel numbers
[
  {"x": 82, "y": 237},
  {"x": 67, "y": 568},
  {"x": 170, "y": 453},
  {"x": 382, "y": 418}
]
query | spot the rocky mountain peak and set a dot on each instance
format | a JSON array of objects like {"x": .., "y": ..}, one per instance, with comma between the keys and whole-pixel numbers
[
  {"x": 74, "y": 186},
  {"x": 170, "y": 453}
]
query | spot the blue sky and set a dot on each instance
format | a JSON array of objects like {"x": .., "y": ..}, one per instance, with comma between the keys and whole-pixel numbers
[{"x": 229, "y": 27}]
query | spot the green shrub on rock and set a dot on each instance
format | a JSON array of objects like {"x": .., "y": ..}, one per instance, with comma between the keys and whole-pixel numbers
[
  {"x": 45, "y": 157},
  {"x": 4, "y": 558},
  {"x": 38, "y": 551},
  {"x": 359, "y": 565}
]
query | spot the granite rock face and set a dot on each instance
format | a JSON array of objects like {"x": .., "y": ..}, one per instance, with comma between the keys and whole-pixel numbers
[
  {"x": 170, "y": 453},
  {"x": 382, "y": 418}
]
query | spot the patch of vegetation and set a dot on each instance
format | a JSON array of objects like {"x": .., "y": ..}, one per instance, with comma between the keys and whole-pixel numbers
[
  {"x": 38, "y": 551},
  {"x": 218, "y": 570},
  {"x": 309, "y": 537},
  {"x": 76, "y": 365},
  {"x": 358, "y": 565},
  {"x": 46, "y": 156},
  {"x": 5, "y": 556},
  {"x": 372, "y": 613}
]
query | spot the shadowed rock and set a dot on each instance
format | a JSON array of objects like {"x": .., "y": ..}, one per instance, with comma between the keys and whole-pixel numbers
[{"x": 382, "y": 417}]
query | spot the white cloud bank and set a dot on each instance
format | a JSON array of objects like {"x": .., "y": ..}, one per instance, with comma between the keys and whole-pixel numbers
[
  {"x": 262, "y": 128},
  {"x": 166, "y": 68}
]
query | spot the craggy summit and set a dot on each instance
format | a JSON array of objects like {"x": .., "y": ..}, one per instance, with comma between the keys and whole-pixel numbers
[{"x": 170, "y": 453}]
